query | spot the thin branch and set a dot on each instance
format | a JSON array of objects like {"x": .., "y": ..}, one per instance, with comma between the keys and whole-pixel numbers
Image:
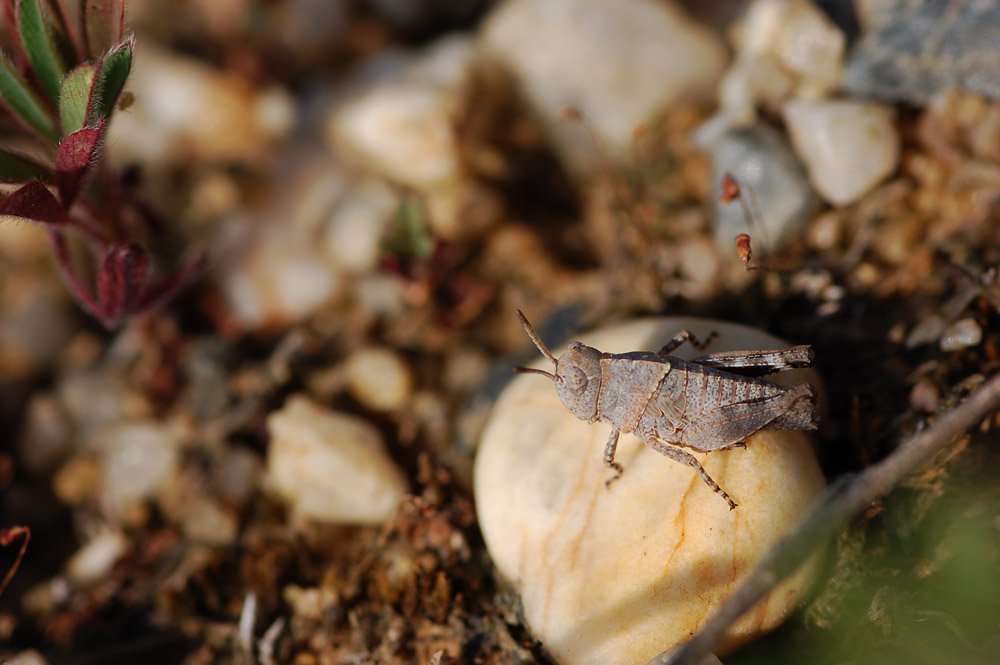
[{"x": 843, "y": 499}]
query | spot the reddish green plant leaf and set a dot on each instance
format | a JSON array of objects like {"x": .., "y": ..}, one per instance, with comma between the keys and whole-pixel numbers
[
  {"x": 74, "y": 98},
  {"x": 19, "y": 97},
  {"x": 165, "y": 288},
  {"x": 105, "y": 25},
  {"x": 120, "y": 281},
  {"x": 40, "y": 46},
  {"x": 111, "y": 75},
  {"x": 71, "y": 13},
  {"x": 73, "y": 157},
  {"x": 15, "y": 168},
  {"x": 33, "y": 201},
  {"x": 10, "y": 30}
]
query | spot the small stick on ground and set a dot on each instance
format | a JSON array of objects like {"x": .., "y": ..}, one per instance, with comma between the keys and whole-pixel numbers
[
  {"x": 7, "y": 536},
  {"x": 733, "y": 189},
  {"x": 844, "y": 499}
]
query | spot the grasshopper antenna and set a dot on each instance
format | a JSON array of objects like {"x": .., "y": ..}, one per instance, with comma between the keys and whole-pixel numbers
[{"x": 541, "y": 347}]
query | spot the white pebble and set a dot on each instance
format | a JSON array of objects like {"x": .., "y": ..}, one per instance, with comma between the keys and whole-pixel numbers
[
  {"x": 137, "y": 459},
  {"x": 92, "y": 563},
  {"x": 207, "y": 521},
  {"x": 330, "y": 466},
  {"x": 401, "y": 128},
  {"x": 279, "y": 283},
  {"x": 29, "y": 657},
  {"x": 961, "y": 335},
  {"x": 619, "y": 63},
  {"x": 848, "y": 147},
  {"x": 785, "y": 49},
  {"x": 379, "y": 378},
  {"x": 47, "y": 438},
  {"x": 355, "y": 227},
  {"x": 185, "y": 110},
  {"x": 92, "y": 399},
  {"x": 619, "y": 575},
  {"x": 37, "y": 322}
]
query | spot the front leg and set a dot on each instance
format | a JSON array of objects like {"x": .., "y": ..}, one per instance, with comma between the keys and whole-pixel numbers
[
  {"x": 685, "y": 336},
  {"x": 609, "y": 458}
]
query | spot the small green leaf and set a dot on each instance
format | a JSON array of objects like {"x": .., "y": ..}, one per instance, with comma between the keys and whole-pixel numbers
[
  {"x": 19, "y": 97},
  {"x": 410, "y": 235},
  {"x": 74, "y": 98},
  {"x": 15, "y": 168},
  {"x": 41, "y": 48},
  {"x": 114, "y": 69},
  {"x": 105, "y": 24}
]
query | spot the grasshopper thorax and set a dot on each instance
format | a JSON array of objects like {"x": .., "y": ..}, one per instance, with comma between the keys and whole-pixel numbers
[{"x": 578, "y": 380}]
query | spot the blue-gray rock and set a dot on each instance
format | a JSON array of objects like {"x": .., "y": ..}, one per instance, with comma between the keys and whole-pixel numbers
[
  {"x": 919, "y": 50},
  {"x": 760, "y": 157}
]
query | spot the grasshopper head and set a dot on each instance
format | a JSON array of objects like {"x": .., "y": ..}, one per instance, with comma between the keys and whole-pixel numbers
[
  {"x": 577, "y": 377},
  {"x": 578, "y": 380}
]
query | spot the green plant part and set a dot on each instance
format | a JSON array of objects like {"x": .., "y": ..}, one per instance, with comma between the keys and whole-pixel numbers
[{"x": 64, "y": 107}]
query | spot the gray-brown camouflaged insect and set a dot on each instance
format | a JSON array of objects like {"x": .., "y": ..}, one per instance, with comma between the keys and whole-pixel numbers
[{"x": 710, "y": 403}]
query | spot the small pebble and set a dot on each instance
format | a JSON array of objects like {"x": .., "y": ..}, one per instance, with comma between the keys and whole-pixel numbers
[
  {"x": 77, "y": 480},
  {"x": 29, "y": 657},
  {"x": 46, "y": 439},
  {"x": 185, "y": 109},
  {"x": 961, "y": 335},
  {"x": 379, "y": 378},
  {"x": 309, "y": 602},
  {"x": 92, "y": 399},
  {"x": 137, "y": 459},
  {"x": 619, "y": 575},
  {"x": 826, "y": 230},
  {"x": 786, "y": 49},
  {"x": 401, "y": 128},
  {"x": 92, "y": 563},
  {"x": 331, "y": 466},
  {"x": 237, "y": 475},
  {"x": 380, "y": 294},
  {"x": 354, "y": 230},
  {"x": 205, "y": 520},
  {"x": 848, "y": 147},
  {"x": 37, "y": 323},
  {"x": 279, "y": 283},
  {"x": 700, "y": 268},
  {"x": 619, "y": 63},
  {"x": 925, "y": 395}
]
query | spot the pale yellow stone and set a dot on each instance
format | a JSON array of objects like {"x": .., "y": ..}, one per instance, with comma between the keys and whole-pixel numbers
[
  {"x": 848, "y": 146},
  {"x": 379, "y": 378},
  {"x": 330, "y": 466},
  {"x": 620, "y": 575}
]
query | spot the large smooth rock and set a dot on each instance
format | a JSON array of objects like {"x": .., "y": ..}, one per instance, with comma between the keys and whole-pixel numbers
[{"x": 621, "y": 574}]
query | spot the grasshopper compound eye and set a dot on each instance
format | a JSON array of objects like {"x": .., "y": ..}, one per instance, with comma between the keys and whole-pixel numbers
[{"x": 574, "y": 380}]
